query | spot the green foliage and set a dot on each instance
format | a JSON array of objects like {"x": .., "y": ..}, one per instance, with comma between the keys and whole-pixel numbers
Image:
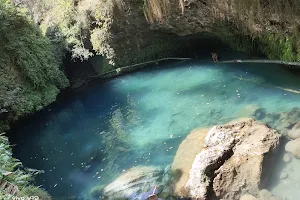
[
  {"x": 279, "y": 47},
  {"x": 276, "y": 46},
  {"x": 277, "y": 40},
  {"x": 285, "y": 9},
  {"x": 64, "y": 19},
  {"x": 25, "y": 46},
  {"x": 30, "y": 77},
  {"x": 11, "y": 170},
  {"x": 58, "y": 42},
  {"x": 99, "y": 39},
  {"x": 34, "y": 191}
]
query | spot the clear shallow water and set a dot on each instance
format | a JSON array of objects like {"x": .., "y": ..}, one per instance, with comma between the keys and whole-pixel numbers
[{"x": 141, "y": 118}]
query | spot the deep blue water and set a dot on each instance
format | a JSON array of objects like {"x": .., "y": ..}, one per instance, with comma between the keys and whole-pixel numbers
[{"x": 141, "y": 118}]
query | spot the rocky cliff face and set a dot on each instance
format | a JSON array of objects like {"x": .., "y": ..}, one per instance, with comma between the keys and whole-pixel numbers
[
  {"x": 127, "y": 32},
  {"x": 132, "y": 31},
  {"x": 270, "y": 27}
]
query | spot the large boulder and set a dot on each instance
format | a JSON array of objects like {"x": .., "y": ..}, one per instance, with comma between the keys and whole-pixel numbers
[
  {"x": 138, "y": 183},
  {"x": 233, "y": 161},
  {"x": 135, "y": 180},
  {"x": 294, "y": 133},
  {"x": 293, "y": 147},
  {"x": 185, "y": 157}
]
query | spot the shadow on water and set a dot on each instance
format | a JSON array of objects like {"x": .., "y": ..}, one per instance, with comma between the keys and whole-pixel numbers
[
  {"x": 279, "y": 165},
  {"x": 65, "y": 139}
]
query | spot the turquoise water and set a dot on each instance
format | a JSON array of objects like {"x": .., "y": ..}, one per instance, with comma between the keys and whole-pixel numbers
[{"x": 141, "y": 118}]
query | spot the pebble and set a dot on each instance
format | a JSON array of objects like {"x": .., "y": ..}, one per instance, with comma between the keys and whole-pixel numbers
[
  {"x": 287, "y": 158},
  {"x": 283, "y": 175}
]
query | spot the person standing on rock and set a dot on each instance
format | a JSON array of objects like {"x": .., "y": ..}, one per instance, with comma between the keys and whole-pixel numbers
[{"x": 214, "y": 57}]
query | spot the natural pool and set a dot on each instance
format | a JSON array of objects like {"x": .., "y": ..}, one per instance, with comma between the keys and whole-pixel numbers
[{"x": 141, "y": 118}]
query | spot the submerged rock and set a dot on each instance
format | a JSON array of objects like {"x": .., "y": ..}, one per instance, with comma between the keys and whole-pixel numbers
[
  {"x": 283, "y": 175},
  {"x": 248, "y": 197},
  {"x": 260, "y": 113},
  {"x": 266, "y": 195},
  {"x": 287, "y": 158},
  {"x": 293, "y": 147},
  {"x": 294, "y": 133},
  {"x": 233, "y": 160},
  {"x": 135, "y": 183},
  {"x": 289, "y": 119},
  {"x": 282, "y": 122},
  {"x": 248, "y": 111}
]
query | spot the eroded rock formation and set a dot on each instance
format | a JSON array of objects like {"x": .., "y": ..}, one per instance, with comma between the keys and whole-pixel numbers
[
  {"x": 234, "y": 161},
  {"x": 184, "y": 158}
]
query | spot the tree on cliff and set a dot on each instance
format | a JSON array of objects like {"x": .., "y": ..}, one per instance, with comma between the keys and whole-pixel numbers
[{"x": 30, "y": 77}]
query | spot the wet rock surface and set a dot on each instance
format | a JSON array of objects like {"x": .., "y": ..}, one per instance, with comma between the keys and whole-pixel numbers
[{"x": 232, "y": 161}]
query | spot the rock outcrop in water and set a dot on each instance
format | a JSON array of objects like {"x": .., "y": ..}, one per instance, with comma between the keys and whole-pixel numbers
[
  {"x": 138, "y": 183},
  {"x": 294, "y": 133},
  {"x": 293, "y": 147},
  {"x": 233, "y": 161},
  {"x": 184, "y": 158},
  {"x": 286, "y": 123}
]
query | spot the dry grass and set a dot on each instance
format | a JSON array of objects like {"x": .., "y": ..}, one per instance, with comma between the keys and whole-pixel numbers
[{"x": 156, "y": 10}]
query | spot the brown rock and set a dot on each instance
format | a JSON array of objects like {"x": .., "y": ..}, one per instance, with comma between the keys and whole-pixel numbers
[
  {"x": 185, "y": 157},
  {"x": 294, "y": 133},
  {"x": 293, "y": 147},
  {"x": 235, "y": 153},
  {"x": 248, "y": 197},
  {"x": 243, "y": 171}
]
